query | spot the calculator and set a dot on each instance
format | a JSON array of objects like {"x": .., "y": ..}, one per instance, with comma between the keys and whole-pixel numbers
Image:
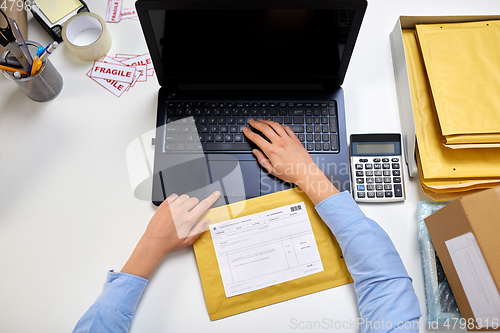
[{"x": 376, "y": 168}]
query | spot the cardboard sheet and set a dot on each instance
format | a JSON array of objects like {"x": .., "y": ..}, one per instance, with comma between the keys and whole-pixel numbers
[{"x": 335, "y": 271}]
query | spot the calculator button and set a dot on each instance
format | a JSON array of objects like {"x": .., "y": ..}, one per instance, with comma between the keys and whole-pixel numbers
[
  {"x": 378, "y": 173},
  {"x": 395, "y": 165},
  {"x": 377, "y": 166},
  {"x": 385, "y": 160},
  {"x": 387, "y": 179},
  {"x": 395, "y": 159},
  {"x": 388, "y": 194},
  {"x": 369, "y": 173},
  {"x": 360, "y": 180},
  {"x": 369, "y": 180},
  {"x": 368, "y": 166},
  {"x": 361, "y": 194},
  {"x": 363, "y": 160},
  {"x": 396, "y": 179},
  {"x": 376, "y": 160},
  {"x": 378, "y": 179},
  {"x": 361, "y": 187},
  {"x": 398, "y": 192},
  {"x": 387, "y": 187},
  {"x": 380, "y": 194},
  {"x": 359, "y": 174},
  {"x": 386, "y": 166},
  {"x": 396, "y": 173},
  {"x": 370, "y": 187},
  {"x": 371, "y": 194},
  {"x": 387, "y": 173},
  {"x": 359, "y": 166},
  {"x": 379, "y": 187}
]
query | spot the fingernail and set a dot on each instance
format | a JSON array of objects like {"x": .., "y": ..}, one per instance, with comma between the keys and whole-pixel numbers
[
  {"x": 216, "y": 193},
  {"x": 245, "y": 129}
]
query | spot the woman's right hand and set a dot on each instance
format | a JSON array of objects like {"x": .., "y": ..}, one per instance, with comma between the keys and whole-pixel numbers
[{"x": 286, "y": 158}]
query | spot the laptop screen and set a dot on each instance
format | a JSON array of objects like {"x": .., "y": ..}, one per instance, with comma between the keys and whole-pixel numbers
[{"x": 229, "y": 44}]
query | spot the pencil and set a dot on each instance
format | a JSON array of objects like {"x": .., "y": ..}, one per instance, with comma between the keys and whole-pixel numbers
[
  {"x": 33, "y": 66},
  {"x": 10, "y": 69}
]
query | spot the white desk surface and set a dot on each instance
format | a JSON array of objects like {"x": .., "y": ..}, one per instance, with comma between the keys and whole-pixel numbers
[{"x": 68, "y": 214}]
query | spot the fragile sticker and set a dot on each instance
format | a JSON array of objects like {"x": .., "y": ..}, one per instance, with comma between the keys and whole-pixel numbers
[
  {"x": 114, "y": 11},
  {"x": 103, "y": 70},
  {"x": 113, "y": 74},
  {"x": 129, "y": 13},
  {"x": 144, "y": 59}
]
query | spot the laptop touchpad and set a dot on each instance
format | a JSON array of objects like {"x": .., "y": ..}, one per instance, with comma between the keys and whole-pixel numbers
[{"x": 240, "y": 179}]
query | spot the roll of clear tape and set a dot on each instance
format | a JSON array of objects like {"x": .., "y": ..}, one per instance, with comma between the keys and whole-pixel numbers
[{"x": 92, "y": 49}]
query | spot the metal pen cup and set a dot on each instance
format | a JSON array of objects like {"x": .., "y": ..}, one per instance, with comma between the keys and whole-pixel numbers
[{"x": 43, "y": 86}]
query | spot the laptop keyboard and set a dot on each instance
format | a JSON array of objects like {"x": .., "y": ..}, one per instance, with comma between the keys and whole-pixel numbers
[{"x": 219, "y": 124}]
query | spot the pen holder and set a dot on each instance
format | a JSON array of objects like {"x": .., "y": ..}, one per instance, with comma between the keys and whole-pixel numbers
[{"x": 43, "y": 86}]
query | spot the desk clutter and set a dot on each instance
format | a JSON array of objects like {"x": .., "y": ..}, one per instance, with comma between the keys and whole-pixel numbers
[
  {"x": 453, "y": 72},
  {"x": 26, "y": 62},
  {"x": 117, "y": 75}
]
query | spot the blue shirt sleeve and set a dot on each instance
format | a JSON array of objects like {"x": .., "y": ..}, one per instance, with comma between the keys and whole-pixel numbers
[
  {"x": 114, "y": 309},
  {"x": 385, "y": 293}
]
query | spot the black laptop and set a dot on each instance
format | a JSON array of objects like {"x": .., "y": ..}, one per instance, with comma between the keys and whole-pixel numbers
[{"x": 221, "y": 63}]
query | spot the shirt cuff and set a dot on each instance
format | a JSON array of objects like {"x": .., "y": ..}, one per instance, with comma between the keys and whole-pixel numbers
[
  {"x": 122, "y": 292},
  {"x": 339, "y": 211}
]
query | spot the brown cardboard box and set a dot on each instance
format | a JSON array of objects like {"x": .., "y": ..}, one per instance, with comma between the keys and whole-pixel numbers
[{"x": 479, "y": 214}]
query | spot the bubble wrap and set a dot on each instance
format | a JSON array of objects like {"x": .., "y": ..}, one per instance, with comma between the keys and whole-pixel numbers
[{"x": 441, "y": 304}]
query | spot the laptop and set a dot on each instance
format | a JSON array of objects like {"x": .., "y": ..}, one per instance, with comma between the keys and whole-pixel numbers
[{"x": 221, "y": 63}]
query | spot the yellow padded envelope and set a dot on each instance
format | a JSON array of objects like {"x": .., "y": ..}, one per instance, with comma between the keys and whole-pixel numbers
[
  {"x": 335, "y": 271},
  {"x": 437, "y": 161},
  {"x": 462, "y": 63}
]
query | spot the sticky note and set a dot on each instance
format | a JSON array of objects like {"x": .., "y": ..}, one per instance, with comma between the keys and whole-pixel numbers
[{"x": 55, "y": 10}]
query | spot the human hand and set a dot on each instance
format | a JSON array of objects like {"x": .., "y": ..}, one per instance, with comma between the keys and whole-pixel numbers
[
  {"x": 283, "y": 157},
  {"x": 286, "y": 158},
  {"x": 174, "y": 226}
]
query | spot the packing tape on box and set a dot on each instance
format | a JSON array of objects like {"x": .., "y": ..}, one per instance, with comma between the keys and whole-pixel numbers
[{"x": 90, "y": 49}]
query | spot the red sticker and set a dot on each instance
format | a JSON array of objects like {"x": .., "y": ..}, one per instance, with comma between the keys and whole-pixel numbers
[
  {"x": 109, "y": 71},
  {"x": 114, "y": 11}
]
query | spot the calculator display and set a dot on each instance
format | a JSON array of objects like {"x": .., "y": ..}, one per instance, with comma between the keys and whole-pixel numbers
[{"x": 376, "y": 148}]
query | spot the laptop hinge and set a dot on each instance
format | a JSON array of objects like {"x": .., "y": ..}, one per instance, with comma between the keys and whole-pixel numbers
[{"x": 247, "y": 87}]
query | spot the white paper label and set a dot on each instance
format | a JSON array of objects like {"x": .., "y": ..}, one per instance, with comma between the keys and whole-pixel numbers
[
  {"x": 476, "y": 278},
  {"x": 263, "y": 249}
]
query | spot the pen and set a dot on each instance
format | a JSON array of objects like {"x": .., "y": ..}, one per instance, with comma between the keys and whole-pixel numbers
[
  {"x": 10, "y": 62},
  {"x": 40, "y": 51},
  {"x": 10, "y": 69},
  {"x": 48, "y": 51}
]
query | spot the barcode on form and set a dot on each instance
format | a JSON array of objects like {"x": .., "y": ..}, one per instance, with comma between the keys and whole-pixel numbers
[{"x": 294, "y": 208}]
